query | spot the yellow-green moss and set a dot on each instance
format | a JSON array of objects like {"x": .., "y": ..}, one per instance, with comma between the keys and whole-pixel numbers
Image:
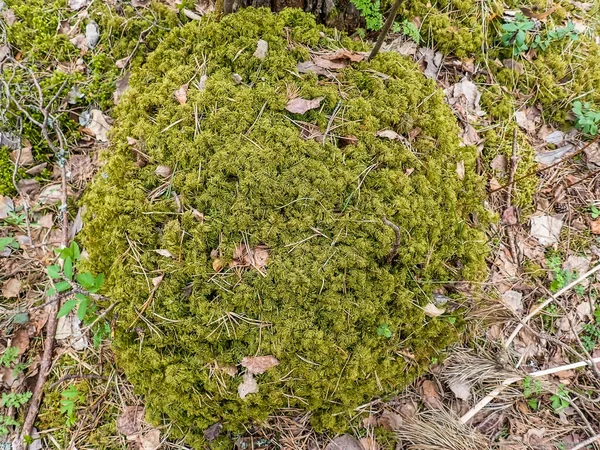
[{"x": 240, "y": 160}]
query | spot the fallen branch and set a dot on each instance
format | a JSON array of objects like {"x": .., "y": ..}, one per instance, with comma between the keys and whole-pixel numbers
[
  {"x": 587, "y": 442},
  {"x": 540, "y": 373},
  {"x": 546, "y": 302},
  {"x": 394, "y": 251}
]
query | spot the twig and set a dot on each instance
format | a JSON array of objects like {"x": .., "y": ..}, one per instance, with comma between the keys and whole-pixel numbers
[
  {"x": 394, "y": 251},
  {"x": 511, "y": 177},
  {"x": 385, "y": 30},
  {"x": 543, "y": 169},
  {"x": 546, "y": 302},
  {"x": 587, "y": 442},
  {"x": 540, "y": 373}
]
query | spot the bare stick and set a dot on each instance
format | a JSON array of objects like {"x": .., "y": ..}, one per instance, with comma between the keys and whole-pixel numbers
[
  {"x": 543, "y": 169},
  {"x": 394, "y": 251},
  {"x": 511, "y": 177},
  {"x": 384, "y": 31},
  {"x": 587, "y": 442},
  {"x": 540, "y": 373},
  {"x": 546, "y": 302}
]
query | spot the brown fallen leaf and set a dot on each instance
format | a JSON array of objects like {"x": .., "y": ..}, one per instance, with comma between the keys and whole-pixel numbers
[
  {"x": 310, "y": 131},
  {"x": 300, "y": 105},
  {"x": 510, "y": 216},
  {"x": 247, "y": 386},
  {"x": 11, "y": 288},
  {"x": 9, "y": 16},
  {"x": 369, "y": 443},
  {"x": 163, "y": 171},
  {"x": 181, "y": 94},
  {"x": 431, "y": 310},
  {"x": 131, "y": 420},
  {"x": 344, "y": 55},
  {"x": 30, "y": 187},
  {"x": 20, "y": 340},
  {"x": 37, "y": 169},
  {"x": 431, "y": 396},
  {"x": 25, "y": 158},
  {"x": 259, "y": 364},
  {"x": 344, "y": 442},
  {"x": 6, "y": 206},
  {"x": 149, "y": 440},
  {"x": 256, "y": 257},
  {"x": 213, "y": 432},
  {"x": 595, "y": 226},
  {"x": 46, "y": 221},
  {"x": 310, "y": 66},
  {"x": 388, "y": 134},
  {"x": 390, "y": 420},
  {"x": 328, "y": 64}
]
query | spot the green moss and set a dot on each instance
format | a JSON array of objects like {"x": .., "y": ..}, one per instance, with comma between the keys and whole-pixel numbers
[
  {"x": 6, "y": 171},
  {"x": 240, "y": 160}
]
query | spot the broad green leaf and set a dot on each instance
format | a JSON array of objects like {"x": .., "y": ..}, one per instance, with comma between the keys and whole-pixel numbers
[
  {"x": 21, "y": 318},
  {"x": 66, "y": 308},
  {"x": 62, "y": 286},
  {"x": 54, "y": 271},
  {"x": 75, "y": 252},
  {"x": 83, "y": 306},
  {"x": 86, "y": 279},
  {"x": 99, "y": 281},
  {"x": 68, "y": 268}
]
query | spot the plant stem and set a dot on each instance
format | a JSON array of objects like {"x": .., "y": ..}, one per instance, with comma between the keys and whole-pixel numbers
[{"x": 385, "y": 30}]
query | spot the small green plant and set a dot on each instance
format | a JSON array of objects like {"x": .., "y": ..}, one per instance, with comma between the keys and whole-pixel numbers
[
  {"x": 515, "y": 34},
  {"x": 371, "y": 11},
  {"x": 532, "y": 389},
  {"x": 410, "y": 29},
  {"x": 14, "y": 219},
  {"x": 594, "y": 212},
  {"x": 591, "y": 332},
  {"x": 67, "y": 279},
  {"x": 8, "y": 242},
  {"x": 10, "y": 355},
  {"x": 384, "y": 330},
  {"x": 5, "y": 422},
  {"x": 70, "y": 398},
  {"x": 14, "y": 399},
  {"x": 101, "y": 332},
  {"x": 560, "y": 276},
  {"x": 555, "y": 34},
  {"x": 560, "y": 400},
  {"x": 587, "y": 119}
]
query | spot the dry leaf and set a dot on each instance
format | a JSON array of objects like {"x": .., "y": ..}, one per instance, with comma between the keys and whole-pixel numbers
[
  {"x": 6, "y": 206},
  {"x": 430, "y": 395},
  {"x": 181, "y": 94},
  {"x": 130, "y": 422},
  {"x": 344, "y": 55},
  {"x": 546, "y": 229},
  {"x": 402, "y": 46},
  {"x": 309, "y": 66},
  {"x": 191, "y": 14},
  {"x": 248, "y": 386},
  {"x": 461, "y": 390},
  {"x": 390, "y": 420},
  {"x": 46, "y": 221},
  {"x": 528, "y": 119},
  {"x": 262, "y": 47},
  {"x": 389, "y": 134},
  {"x": 514, "y": 300},
  {"x": 163, "y": 171},
  {"x": 11, "y": 288},
  {"x": 510, "y": 216},
  {"x": 259, "y": 364},
  {"x": 30, "y": 187},
  {"x": 464, "y": 97},
  {"x": 344, "y": 442},
  {"x": 499, "y": 163},
  {"x": 552, "y": 156},
  {"x": 164, "y": 252},
  {"x": 149, "y": 440},
  {"x": 257, "y": 257},
  {"x": 300, "y": 105},
  {"x": 431, "y": 310},
  {"x": 213, "y": 432},
  {"x": 121, "y": 85},
  {"x": 595, "y": 226},
  {"x": 433, "y": 61},
  {"x": 9, "y": 16},
  {"x": 99, "y": 125},
  {"x": 20, "y": 340},
  {"x": 37, "y": 169},
  {"x": 25, "y": 158},
  {"x": 576, "y": 264},
  {"x": 51, "y": 194},
  {"x": 513, "y": 65},
  {"x": 218, "y": 265},
  {"x": 77, "y": 4},
  {"x": 69, "y": 330}
]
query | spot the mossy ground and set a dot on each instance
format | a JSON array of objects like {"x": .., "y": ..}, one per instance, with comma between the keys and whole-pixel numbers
[{"x": 320, "y": 301}]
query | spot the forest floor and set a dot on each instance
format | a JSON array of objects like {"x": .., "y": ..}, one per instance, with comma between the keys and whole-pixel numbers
[{"x": 521, "y": 378}]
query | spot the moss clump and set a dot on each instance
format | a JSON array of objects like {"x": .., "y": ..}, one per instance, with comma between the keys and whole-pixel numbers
[{"x": 237, "y": 157}]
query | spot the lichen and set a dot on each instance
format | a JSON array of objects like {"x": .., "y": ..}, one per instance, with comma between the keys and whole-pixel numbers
[{"x": 238, "y": 158}]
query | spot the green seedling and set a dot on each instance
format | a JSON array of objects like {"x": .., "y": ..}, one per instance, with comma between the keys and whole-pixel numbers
[
  {"x": 384, "y": 330},
  {"x": 70, "y": 398},
  {"x": 8, "y": 242},
  {"x": 594, "y": 212},
  {"x": 586, "y": 119},
  {"x": 371, "y": 11},
  {"x": 515, "y": 34},
  {"x": 15, "y": 400},
  {"x": 560, "y": 400}
]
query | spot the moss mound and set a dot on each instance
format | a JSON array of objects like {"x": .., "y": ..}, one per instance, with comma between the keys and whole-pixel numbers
[{"x": 238, "y": 158}]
